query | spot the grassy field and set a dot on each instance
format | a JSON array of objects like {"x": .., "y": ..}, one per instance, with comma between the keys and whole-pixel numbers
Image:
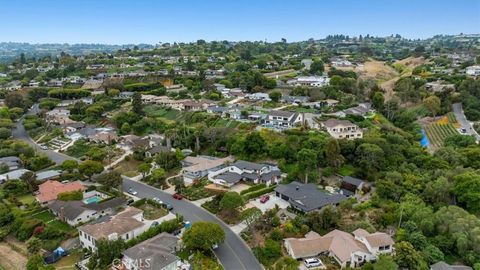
[
  {"x": 128, "y": 168},
  {"x": 26, "y": 199}
]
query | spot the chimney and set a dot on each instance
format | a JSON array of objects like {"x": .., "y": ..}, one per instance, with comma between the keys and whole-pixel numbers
[
  {"x": 61, "y": 215},
  {"x": 297, "y": 188}
]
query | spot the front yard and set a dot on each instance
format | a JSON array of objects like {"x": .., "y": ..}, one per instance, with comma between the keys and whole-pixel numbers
[{"x": 152, "y": 212}]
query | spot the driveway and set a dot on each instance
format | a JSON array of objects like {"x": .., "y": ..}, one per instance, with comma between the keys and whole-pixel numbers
[
  {"x": 462, "y": 119},
  {"x": 270, "y": 204},
  {"x": 233, "y": 253},
  {"x": 20, "y": 133}
]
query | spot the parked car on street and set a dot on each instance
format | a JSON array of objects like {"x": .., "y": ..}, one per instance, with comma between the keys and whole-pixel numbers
[
  {"x": 177, "y": 196},
  {"x": 313, "y": 262},
  {"x": 131, "y": 191}
]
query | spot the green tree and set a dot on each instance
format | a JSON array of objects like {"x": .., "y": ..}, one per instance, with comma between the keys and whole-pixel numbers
[
  {"x": 333, "y": 154},
  {"x": 70, "y": 196},
  {"x": 107, "y": 251},
  {"x": 370, "y": 156},
  {"x": 137, "y": 106},
  {"x": 158, "y": 177},
  {"x": 5, "y": 133},
  {"x": 125, "y": 129},
  {"x": 254, "y": 145},
  {"x": 90, "y": 167},
  {"x": 69, "y": 165},
  {"x": 275, "y": 96},
  {"x": 467, "y": 189},
  {"x": 385, "y": 263},
  {"x": 378, "y": 100},
  {"x": 307, "y": 161},
  {"x": 433, "y": 104},
  {"x": 33, "y": 245},
  {"x": 144, "y": 168},
  {"x": 203, "y": 235},
  {"x": 231, "y": 201},
  {"x": 111, "y": 179},
  {"x": 317, "y": 67},
  {"x": 406, "y": 256}
]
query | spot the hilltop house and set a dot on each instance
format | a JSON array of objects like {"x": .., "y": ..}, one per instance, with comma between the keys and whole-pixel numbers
[
  {"x": 57, "y": 115},
  {"x": 342, "y": 129},
  {"x": 307, "y": 197},
  {"x": 348, "y": 250},
  {"x": 473, "y": 70},
  {"x": 12, "y": 162},
  {"x": 247, "y": 171},
  {"x": 194, "y": 168},
  {"x": 311, "y": 81},
  {"x": 258, "y": 96},
  {"x": 283, "y": 119}
]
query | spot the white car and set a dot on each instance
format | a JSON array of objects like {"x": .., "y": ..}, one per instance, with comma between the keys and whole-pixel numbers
[
  {"x": 313, "y": 262},
  {"x": 43, "y": 147},
  {"x": 133, "y": 192}
]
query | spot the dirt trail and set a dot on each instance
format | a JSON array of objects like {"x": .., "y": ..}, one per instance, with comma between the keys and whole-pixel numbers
[{"x": 11, "y": 259}]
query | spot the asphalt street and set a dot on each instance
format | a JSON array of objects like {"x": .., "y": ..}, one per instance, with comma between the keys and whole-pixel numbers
[
  {"x": 462, "y": 119},
  {"x": 233, "y": 253}
]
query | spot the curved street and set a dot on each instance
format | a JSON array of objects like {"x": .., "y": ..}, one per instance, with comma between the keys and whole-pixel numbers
[
  {"x": 233, "y": 253},
  {"x": 20, "y": 133}
]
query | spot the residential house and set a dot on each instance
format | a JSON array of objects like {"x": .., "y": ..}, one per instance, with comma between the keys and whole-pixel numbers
[
  {"x": 77, "y": 212},
  {"x": 246, "y": 171},
  {"x": 162, "y": 101},
  {"x": 294, "y": 99},
  {"x": 222, "y": 111},
  {"x": 125, "y": 95},
  {"x": 156, "y": 150},
  {"x": 15, "y": 174},
  {"x": 307, "y": 197},
  {"x": 59, "y": 116},
  {"x": 258, "y": 96},
  {"x": 347, "y": 249},
  {"x": 473, "y": 71},
  {"x": 125, "y": 225},
  {"x": 194, "y": 168},
  {"x": 158, "y": 252},
  {"x": 311, "y": 81},
  {"x": 283, "y": 119},
  {"x": 351, "y": 186},
  {"x": 49, "y": 190},
  {"x": 48, "y": 175},
  {"x": 12, "y": 162},
  {"x": 342, "y": 129},
  {"x": 104, "y": 136},
  {"x": 445, "y": 266}
]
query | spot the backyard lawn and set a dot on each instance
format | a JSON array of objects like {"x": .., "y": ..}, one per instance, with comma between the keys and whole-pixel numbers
[
  {"x": 44, "y": 216},
  {"x": 27, "y": 199},
  {"x": 128, "y": 168},
  {"x": 51, "y": 220},
  {"x": 68, "y": 262}
]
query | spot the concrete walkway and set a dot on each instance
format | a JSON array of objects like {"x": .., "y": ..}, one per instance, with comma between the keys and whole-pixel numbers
[{"x": 202, "y": 201}]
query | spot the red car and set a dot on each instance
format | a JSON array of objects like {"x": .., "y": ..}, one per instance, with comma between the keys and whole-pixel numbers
[
  {"x": 264, "y": 199},
  {"x": 177, "y": 196}
]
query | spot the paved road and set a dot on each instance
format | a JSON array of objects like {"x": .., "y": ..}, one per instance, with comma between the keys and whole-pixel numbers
[
  {"x": 20, "y": 133},
  {"x": 462, "y": 119},
  {"x": 233, "y": 253}
]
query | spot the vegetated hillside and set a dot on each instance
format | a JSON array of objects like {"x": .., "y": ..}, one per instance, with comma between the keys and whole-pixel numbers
[
  {"x": 402, "y": 67},
  {"x": 377, "y": 70}
]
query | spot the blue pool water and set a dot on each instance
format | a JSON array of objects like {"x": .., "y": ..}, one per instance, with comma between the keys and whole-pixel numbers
[
  {"x": 93, "y": 199},
  {"x": 424, "y": 141}
]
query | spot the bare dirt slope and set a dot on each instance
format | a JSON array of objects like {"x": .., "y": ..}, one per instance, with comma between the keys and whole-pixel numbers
[
  {"x": 407, "y": 65},
  {"x": 11, "y": 259}
]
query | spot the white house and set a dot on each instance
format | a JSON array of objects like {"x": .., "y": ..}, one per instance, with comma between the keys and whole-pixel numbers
[
  {"x": 126, "y": 225},
  {"x": 473, "y": 70},
  {"x": 313, "y": 81},
  {"x": 342, "y": 129},
  {"x": 194, "y": 168},
  {"x": 258, "y": 96},
  {"x": 247, "y": 171},
  {"x": 283, "y": 119}
]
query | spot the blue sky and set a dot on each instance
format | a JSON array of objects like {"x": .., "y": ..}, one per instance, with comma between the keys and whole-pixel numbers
[{"x": 148, "y": 21}]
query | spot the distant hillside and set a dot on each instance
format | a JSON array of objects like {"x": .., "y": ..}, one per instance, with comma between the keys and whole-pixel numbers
[{"x": 12, "y": 50}]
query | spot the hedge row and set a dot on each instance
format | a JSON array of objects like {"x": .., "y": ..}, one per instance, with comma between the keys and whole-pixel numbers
[
  {"x": 253, "y": 188},
  {"x": 258, "y": 193}
]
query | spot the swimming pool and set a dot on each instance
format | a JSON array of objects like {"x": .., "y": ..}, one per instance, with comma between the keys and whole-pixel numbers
[{"x": 93, "y": 199}]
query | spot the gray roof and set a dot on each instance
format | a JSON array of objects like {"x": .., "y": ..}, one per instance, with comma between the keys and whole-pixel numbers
[
  {"x": 281, "y": 113},
  {"x": 246, "y": 165},
  {"x": 308, "y": 197},
  {"x": 158, "y": 249},
  {"x": 217, "y": 109},
  {"x": 72, "y": 209},
  {"x": 445, "y": 266},
  {"x": 48, "y": 174},
  {"x": 291, "y": 99},
  {"x": 270, "y": 175},
  {"x": 229, "y": 177},
  {"x": 158, "y": 149},
  {"x": 353, "y": 181}
]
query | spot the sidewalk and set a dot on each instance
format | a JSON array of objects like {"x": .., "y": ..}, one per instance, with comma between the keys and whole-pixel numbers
[
  {"x": 237, "y": 229},
  {"x": 202, "y": 201}
]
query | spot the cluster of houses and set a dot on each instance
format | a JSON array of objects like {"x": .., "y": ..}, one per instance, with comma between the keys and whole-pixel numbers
[{"x": 13, "y": 168}]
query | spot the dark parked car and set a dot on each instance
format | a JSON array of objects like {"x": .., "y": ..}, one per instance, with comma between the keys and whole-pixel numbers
[{"x": 177, "y": 196}]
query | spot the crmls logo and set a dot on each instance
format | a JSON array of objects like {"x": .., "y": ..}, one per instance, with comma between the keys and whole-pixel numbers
[{"x": 141, "y": 264}]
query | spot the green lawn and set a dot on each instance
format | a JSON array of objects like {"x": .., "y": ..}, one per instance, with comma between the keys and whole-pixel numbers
[
  {"x": 128, "y": 168},
  {"x": 44, "y": 216},
  {"x": 26, "y": 199},
  {"x": 346, "y": 170},
  {"x": 61, "y": 226},
  {"x": 68, "y": 262},
  {"x": 152, "y": 212}
]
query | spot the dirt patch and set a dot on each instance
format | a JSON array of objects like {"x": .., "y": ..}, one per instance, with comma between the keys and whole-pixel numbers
[
  {"x": 377, "y": 70},
  {"x": 11, "y": 259},
  {"x": 412, "y": 62}
]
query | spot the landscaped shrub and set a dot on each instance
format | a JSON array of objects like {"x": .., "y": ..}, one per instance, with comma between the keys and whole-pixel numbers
[
  {"x": 258, "y": 193},
  {"x": 26, "y": 229},
  {"x": 70, "y": 196},
  {"x": 253, "y": 188}
]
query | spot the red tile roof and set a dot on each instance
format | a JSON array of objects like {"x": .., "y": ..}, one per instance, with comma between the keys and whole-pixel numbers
[{"x": 49, "y": 190}]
